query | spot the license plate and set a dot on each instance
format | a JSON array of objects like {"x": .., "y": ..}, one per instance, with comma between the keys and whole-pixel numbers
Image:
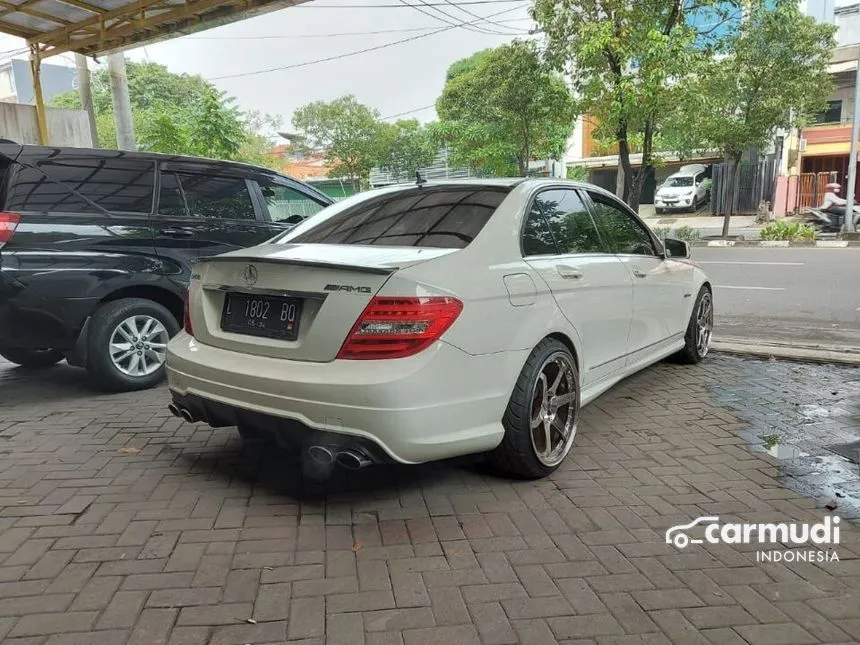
[{"x": 255, "y": 315}]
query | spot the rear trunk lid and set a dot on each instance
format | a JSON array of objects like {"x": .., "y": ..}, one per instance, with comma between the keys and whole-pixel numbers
[{"x": 292, "y": 301}]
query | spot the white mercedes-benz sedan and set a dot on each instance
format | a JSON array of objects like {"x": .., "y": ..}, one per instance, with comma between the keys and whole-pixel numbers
[{"x": 433, "y": 320}]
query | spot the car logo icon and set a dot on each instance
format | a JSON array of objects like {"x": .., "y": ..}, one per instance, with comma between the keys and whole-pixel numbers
[
  {"x": 676, "y": 535},
  {"x": 249, "y": 275}
]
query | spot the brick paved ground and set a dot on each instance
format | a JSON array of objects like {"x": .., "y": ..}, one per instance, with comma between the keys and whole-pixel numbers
[{"x": 119, "y": 524}]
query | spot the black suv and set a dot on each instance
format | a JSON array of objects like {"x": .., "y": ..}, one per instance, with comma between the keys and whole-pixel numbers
[{"x": 96, "y": 248}]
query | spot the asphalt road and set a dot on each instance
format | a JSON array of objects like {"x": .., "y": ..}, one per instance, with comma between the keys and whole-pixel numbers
[{"x": 805, "y": 296}]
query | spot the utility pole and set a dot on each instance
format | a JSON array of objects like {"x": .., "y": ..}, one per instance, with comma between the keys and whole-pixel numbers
[
  {"x": 121, "y": 102},
  {"x": 848, "y": 224},
  {"x": 86, "y": 95}
]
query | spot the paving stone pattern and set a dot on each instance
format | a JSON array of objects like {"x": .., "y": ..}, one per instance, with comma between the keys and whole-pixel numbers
[{"x": 120, "y": 524}]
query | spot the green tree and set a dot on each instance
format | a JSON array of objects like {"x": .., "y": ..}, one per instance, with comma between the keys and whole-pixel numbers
[
  {"x": 172, "y": 113},
  {"x": 348, "y": 131},
  {"x": 406, "y": 146},
  {"x": 260, "y": 131},
  {"x": 502, "y": 108},
  {"x": 631, "y": 63},
  {"x": 773, "y": 74}
]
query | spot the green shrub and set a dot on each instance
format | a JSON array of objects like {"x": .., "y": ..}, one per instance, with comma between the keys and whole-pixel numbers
[
  {"x": 661, "y": 232},
  {"x": 786, "y": 230},
  {"x": 686, "y": 233}
]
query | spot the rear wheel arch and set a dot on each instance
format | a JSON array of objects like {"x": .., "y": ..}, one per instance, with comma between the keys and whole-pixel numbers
[
  {"x": 168, "y": 299},
  {"x": 565, "y": 340}
]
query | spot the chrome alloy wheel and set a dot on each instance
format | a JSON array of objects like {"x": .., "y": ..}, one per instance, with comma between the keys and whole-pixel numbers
[
  {"x": 554, "y": 409},
  {"x": 138, "y": 345},
  {"x": 704, "y": 324}
]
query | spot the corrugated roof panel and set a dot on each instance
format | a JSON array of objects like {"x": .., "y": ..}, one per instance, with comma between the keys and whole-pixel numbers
[
  {"x": 30, "y": 22},
  {"x": 63, "y": 10}
]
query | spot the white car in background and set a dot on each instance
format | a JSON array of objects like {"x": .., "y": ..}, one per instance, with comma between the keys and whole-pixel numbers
[
  {"x": 423, "y": 322},
  {"x": 686, "y": 189}
]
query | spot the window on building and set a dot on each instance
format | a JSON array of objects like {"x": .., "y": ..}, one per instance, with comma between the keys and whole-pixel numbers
[{"x": 833, "y": 113}]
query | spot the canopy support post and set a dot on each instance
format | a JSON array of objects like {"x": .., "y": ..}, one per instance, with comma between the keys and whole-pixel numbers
[{"x": 41, "y": 117}]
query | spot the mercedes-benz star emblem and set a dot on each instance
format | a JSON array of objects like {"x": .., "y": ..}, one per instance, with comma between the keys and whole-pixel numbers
[{"x": 250, "y": 274}]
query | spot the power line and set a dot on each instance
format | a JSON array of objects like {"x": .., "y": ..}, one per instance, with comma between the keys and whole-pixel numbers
[
  {"x": 332, "y": 35},
  {"x": 394, "y": 116},
  {"x": 356, "y": 52},
  {"x": 393, "y": 6},
  {"x": 475, "y": 15},
  {"x": 446, "y": 19}
]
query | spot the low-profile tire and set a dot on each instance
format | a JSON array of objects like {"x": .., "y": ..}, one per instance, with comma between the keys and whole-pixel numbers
[
  {"x": 542, "y": 415},
  {"x": 32, "y": 358},
  {"x": 697, "y": 340},
  {"x": 127, "y": 344}
]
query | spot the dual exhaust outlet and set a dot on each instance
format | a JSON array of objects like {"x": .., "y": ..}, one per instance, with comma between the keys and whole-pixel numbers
[
  {"x": 323, "y": 455},
  {"x": 182, "y": 413},
  {"x": 348, "y": 459}
]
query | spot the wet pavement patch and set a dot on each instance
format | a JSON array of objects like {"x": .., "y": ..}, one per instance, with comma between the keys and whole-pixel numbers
[
  {"x": 851, "y": 451},
  {"x": 807, "y": 416}
]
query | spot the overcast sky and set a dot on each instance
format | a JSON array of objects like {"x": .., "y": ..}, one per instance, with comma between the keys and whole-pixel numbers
[{"x": 400, "y": 78}]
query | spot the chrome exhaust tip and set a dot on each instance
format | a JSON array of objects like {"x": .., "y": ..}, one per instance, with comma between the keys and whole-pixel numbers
[
  {"x": 187, "y": 416},
  {"x": 321, "y": 455},
  {"x": 352, "y": 460},
  {"x": 174, "y": 410}
]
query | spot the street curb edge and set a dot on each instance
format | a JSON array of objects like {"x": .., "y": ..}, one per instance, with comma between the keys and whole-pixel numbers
[
  {"x": 820, "y": 244},
  {"x": 849, "y": 356}
]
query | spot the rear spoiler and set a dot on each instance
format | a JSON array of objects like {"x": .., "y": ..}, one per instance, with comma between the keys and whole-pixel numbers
[{"x": 360, "y": 268}]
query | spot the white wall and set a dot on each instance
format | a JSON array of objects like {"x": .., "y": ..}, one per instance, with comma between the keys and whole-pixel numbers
[{"x": 65, "y": 127}]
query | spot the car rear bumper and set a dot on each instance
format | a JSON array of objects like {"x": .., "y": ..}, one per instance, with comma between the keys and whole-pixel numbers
[
  {"x": 438, "y": 404},
  {"x": 31, "y": 321}
]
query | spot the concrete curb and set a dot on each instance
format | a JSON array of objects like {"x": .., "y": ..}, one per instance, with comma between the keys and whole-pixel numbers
[
  {"x": 784, "y": 351},
  {"x": 821, "y": 244}
]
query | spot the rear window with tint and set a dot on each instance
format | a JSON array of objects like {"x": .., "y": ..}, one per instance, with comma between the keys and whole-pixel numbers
[
  {"x": 447, "y": 217},
  {"x": 76, "y": 185}
]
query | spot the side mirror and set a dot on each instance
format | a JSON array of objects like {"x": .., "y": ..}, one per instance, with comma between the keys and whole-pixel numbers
[{"x": 676, "y": 248}]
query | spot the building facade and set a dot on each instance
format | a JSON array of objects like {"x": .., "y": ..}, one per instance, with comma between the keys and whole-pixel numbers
[{"x": 16, "y": 81}]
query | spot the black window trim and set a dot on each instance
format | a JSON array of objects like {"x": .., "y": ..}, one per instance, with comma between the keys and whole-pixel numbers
[
  {"x": 658, "y": 245},
  {"x": 586, "y": 201},
  {"x": 177, "y": 168}
]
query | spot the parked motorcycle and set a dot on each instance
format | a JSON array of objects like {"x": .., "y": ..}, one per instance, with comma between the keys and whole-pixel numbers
[{"x": 829, "y": 221}]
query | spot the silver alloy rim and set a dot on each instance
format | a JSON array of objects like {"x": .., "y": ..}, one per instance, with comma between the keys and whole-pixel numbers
[
  {"x": 704, "y": 325},
  {"x": 138, "y": 345},
  {"x": 553, "y": 416}
]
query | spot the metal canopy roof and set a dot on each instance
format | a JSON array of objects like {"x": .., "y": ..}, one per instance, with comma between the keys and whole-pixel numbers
[{"x": 94, "y": 27}]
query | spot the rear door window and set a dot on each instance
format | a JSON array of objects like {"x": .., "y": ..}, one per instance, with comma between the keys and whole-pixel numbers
[
  {"x": 86, "y": 185},
  {"x": 444, "y": 217},
  {"x": 205, "y": 195}
]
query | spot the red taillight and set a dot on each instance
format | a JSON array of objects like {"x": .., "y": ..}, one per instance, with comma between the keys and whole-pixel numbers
[
  {"x": 186, "y": 317},
  {"x": 8, "y": 224},
  {"x": 391, "y": 327}
]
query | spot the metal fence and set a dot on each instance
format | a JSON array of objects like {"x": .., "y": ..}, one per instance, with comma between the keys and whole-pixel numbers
[
  {"x": 811, "y": 188},
  {"x": 755, "y": 184}
]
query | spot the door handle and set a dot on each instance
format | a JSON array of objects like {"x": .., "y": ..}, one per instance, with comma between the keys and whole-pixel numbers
[
  {"x": 569, "y": 273},
  {"x": 639, "y": 273},
  {"x": 177, "y": 232}
]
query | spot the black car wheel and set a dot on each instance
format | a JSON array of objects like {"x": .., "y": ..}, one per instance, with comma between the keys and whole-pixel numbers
[
  {"x": 127, "y": 345},
  {"x": 32, "y": 358},
  {"x": 542, "y": 415}
]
